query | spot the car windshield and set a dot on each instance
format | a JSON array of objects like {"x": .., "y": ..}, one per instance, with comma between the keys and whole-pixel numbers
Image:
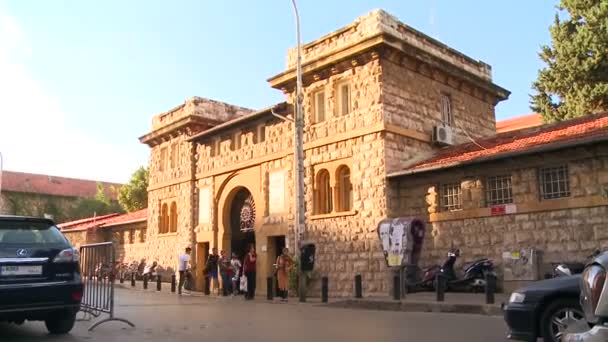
[{"x": 23, "y": 232}]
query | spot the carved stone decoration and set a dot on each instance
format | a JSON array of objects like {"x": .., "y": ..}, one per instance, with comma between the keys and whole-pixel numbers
[{"x": 247, "y": 214}]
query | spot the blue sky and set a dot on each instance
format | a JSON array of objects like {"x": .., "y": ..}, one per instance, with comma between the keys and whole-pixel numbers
[{"x": 81, "y": 80}]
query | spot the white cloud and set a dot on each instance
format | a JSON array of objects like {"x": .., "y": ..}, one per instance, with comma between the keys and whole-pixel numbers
[{"x": 35, "y": 135}]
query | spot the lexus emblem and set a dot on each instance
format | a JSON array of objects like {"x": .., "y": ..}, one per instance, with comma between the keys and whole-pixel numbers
[{"x": 21, "y": 253}]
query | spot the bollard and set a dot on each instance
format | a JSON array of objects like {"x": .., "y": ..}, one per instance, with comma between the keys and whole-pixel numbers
[
  {"x": 146, "y": 282},
  {"x": 396, "y": 287},
  {"x": 324, "y": 289},
  {"x": 133, "y": 279},
  {"x": 440, "y": 287},
  {"x": 269, "y": 286},
  {"x": 158, "y": 283},
  {"x": 173, "y": 283},
  {"x": 358, "y": 287},
  {"x": 490, "y": 288}
]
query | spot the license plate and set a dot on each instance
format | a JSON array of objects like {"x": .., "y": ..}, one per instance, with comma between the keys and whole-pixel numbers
[{"x": 20, "y": 270}]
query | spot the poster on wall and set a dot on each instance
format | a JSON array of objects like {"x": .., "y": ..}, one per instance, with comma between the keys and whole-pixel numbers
[{"x": 401, "y": 240}]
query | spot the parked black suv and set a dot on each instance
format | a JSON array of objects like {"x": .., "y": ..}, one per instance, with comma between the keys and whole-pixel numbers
[{"x": 39, "y": 274}]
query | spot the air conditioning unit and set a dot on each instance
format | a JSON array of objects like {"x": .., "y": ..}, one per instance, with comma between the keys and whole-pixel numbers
[{"x": 443, "y": 135}]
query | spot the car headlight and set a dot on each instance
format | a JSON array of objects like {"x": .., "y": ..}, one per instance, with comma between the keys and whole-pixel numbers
[
  {"x": 591, "y": 290},
  {"x": 517, "y": 297}
]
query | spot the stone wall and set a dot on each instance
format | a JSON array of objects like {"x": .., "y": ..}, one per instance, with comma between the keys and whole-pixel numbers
[
  {"x": 379, "y": 22},
  {"x": 214, "y": 111},
  {"x": 130, "y": 242},
  {"x": 346, "y": 242},
  {"x": 80, "y": 237},
  {"x": 59, "y": 207},
  {"x": 165, "y": 248},
  {"x": 564, "y": 229},
  {"x": 413, "y": 100}
]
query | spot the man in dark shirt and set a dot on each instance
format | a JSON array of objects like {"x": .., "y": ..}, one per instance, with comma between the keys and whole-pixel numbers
[{"x": 212, "y": 263}]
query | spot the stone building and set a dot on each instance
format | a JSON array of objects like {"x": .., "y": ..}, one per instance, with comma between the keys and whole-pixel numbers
[
  {"x": 126, "y": 231},
  {"x": 377, "y": 95},
  {"x": 541, "y": 188},
  {"x": 39, "y": 195}
]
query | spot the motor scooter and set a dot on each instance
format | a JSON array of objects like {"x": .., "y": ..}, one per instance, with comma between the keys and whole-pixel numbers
[
  {"x": 473, "y": 273},
  {"x": 565, "y": 269}
]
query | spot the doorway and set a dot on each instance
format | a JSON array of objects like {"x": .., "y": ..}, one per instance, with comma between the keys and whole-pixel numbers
[
  {"x": 275, "y": 248},
  {"x": 202, "y": 253},
  {"x": 242, "y": 222}
]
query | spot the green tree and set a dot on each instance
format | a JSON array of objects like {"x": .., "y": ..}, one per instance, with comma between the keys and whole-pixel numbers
[
  {"x": 575, "y": 81},
  {"x": 134, "y": 195},
  {"x": 99, "y": 205}
]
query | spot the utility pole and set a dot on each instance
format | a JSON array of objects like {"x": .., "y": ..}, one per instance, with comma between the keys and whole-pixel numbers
[{"x": 298, "y": 163}]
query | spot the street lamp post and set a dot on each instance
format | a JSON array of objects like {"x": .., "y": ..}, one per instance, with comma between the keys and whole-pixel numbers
[{"x": 300, "y": 219}]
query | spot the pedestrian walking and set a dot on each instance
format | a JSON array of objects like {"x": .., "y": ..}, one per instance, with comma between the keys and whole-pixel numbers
[
  {"x": 236, "y": 265},
  {"x": 182, "y": 267},
  {"x": 211, "y": 270},
  {"x": 226, "y": 273},
  {"x": 283, "y": 267},
  {"x": 249, "y": 271}
]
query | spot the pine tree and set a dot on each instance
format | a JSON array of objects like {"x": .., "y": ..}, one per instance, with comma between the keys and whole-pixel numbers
[{"x": 575, "y": 81}]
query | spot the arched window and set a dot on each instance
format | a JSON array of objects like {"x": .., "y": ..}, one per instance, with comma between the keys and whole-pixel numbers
[
  {"x": 173, "y": 218},
  {"x": 323, "y": 191},
  {"x": 345, "y": 189},
  {"x": 163, "y": 223}
]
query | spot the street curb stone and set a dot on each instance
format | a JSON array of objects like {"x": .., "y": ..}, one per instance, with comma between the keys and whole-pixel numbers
[{"x": 404, "y": 306}]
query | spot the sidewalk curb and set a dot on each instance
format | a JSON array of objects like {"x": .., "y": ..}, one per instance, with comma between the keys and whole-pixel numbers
[
  {"x": 362, "y": 304},
  {"x": 475, "y": 309}
]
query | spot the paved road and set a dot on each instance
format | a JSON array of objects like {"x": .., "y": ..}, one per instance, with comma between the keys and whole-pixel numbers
[{"x": 163, "y": 317}]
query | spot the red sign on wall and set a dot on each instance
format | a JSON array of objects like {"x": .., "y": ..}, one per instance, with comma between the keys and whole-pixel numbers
[{"x": 498, "y": 210}]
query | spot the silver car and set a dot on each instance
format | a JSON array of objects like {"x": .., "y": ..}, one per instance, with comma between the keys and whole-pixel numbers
[{"x": 594, "y": 300}]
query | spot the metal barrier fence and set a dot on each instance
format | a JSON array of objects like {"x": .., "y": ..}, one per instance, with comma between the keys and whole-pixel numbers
[{"x": 97, "y": 264}]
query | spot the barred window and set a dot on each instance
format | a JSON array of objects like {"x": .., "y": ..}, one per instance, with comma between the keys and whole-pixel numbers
[
  {"x": 451, "y": 196},
  {"x": 498, "y": 190},
  {"x": 554, "y": 182}
]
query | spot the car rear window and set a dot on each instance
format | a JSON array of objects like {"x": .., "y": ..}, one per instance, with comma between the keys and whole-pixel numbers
[{"x": 36, "y": 233}]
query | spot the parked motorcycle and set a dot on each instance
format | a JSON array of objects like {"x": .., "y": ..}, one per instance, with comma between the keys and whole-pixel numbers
[
  {"x": 473, "y": 273},
  {"x": 570, "y": 268}
]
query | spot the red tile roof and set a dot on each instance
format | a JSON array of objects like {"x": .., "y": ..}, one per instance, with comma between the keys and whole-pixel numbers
[
  {"x": 524, "y": 121},
  {"x": 135, "y": 216},
  {"x": 52, "y": 185},
  {"x": 105, "y": 221},
  {"x": 582, "y": 130}
]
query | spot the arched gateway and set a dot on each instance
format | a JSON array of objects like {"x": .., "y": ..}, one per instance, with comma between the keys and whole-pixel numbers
[{"x": 241, "y": 219}]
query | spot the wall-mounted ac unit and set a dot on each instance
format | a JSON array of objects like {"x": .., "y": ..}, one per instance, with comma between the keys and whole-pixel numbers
[{"x": 443, "y": 135}]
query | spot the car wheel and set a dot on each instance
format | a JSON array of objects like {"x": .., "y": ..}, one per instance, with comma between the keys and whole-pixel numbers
[
  {"x": 62, "y": 324},
  {"x": 562, "y": 316}
]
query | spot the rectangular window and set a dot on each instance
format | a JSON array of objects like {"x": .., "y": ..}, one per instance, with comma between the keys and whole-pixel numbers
[
  {"x": 343, "y": 103},
  {"x": 215, "y": 147},
  {"x": 498, "y": 190},
  {"x": 163, "y": 159},
  {"x": 554, "y": 182},
  {"x": 261, "y": 133},
  {"x": 446, "y": 110},
  {"x": 319, "y": 105},
  {"x": 451, "y": 198},
  {"x": 174, "y": 154},
  {"x": 131, "y": 237},
  {"x": 237, "y": 140}
]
